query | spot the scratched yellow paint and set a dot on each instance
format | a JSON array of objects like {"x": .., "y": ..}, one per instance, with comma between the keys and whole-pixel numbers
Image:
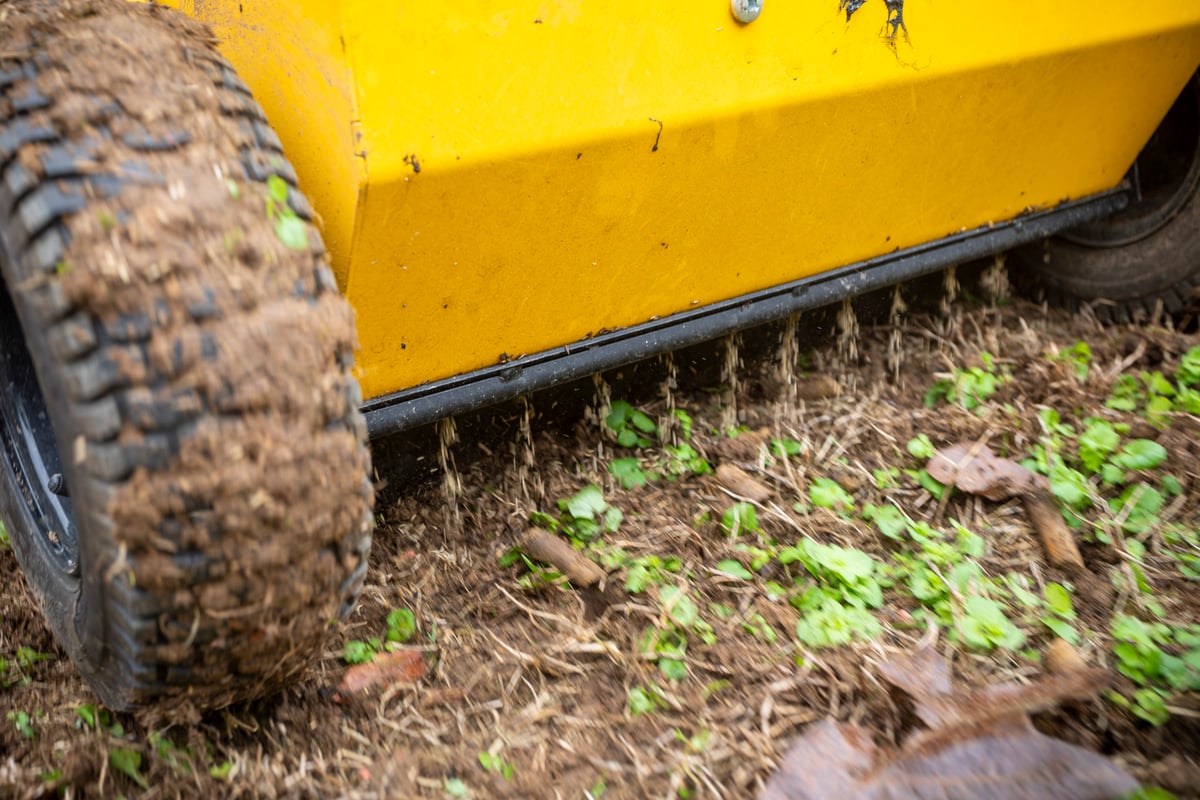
[{"x": 587, "y": 165}]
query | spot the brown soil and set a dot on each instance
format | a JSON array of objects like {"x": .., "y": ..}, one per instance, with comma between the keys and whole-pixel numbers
[{"x": 540, "y": 677}]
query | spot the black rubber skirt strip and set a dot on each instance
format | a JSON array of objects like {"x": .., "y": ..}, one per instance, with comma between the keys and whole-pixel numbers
[{"x": 410, "y": 408}]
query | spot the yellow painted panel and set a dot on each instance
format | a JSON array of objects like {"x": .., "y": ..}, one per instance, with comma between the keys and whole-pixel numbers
[
  {"x": 501, "y": 177},
  {"x": 291, "y": 55},
  {"x": 542, "y": 211}
]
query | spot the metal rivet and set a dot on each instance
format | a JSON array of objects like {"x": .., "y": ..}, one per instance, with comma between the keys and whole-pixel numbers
[
  {"x": 57, "y": 485},
  {"x": 746, "y": 10}
]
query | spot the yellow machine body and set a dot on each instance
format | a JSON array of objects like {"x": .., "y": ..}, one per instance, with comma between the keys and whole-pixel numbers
[{"x": 498, "y": 178}]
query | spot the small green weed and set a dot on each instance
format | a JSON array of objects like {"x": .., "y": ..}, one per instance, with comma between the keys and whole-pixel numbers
[
  {"x": 1159, "y": 658},
  {"x": 493, "y": 763},
  {"x": 586, "y": 515},
  {"x": 401, "y": 626},
  {"x": 23, "y": 723},
  {"x": 1078, "y": 357},
  {"x": 632, "y": 427},
  {"x": 456, "y": 787},
  {"x": 968, "y": 388},
  {"x": 740, "y": 518},
  {"x": 647, "y": 699},
  {"x": 290, "y": 229}
]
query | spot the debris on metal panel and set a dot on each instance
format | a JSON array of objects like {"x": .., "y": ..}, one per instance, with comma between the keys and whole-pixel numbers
[{"x": 895, "y": 19}]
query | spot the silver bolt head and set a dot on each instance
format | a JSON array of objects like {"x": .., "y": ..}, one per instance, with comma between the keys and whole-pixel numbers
[{"x": 746, "y": 10}]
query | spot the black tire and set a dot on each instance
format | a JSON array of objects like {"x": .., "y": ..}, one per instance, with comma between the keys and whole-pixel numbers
[
  {"x": 185, "y": 373},
  {"x": 1125, "y": 266}
]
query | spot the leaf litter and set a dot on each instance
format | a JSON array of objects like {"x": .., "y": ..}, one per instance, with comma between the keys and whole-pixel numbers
[{"x": 980, "y": 744}]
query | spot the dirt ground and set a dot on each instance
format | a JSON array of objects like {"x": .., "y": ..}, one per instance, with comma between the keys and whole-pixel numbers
[{"x": 684, "y": 673}]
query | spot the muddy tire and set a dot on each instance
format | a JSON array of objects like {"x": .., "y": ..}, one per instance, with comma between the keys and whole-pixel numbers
[
  {"x": 1145, "y": 258},
  {"x": 183, "y": 467}
]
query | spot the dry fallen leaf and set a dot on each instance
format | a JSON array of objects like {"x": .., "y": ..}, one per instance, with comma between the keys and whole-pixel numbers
[
  {"x": 386, "y": 669},
  {"x": 981, "y": 747},
  {"x": 549, "y": 549},
  {"x": 975, "y": 469},
  {"x": 1057, "y": 539},
  {"x": 738, "y": 481}
]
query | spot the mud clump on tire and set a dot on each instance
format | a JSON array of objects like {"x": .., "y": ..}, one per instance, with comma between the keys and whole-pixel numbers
[{"x": 216, "y": 453}]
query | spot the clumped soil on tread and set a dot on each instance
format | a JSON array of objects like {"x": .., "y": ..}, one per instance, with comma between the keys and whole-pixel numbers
[
  {"x": 541, "y": 677},
  {"x": 234, "y": 487}
]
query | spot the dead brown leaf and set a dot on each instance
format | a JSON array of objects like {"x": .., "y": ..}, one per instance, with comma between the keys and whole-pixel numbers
[
  {"x": 981, "y": 747},
  {"x": 383, "y": 671},
  {"x": 549, "y": 549},
  {"x": 738, "y": 481},
  {"x": 975, "y": 469},
  {"x": 1057, "y": 539}
]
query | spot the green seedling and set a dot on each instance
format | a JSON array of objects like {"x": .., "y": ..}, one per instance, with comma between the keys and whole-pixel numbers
[
  {"x": 886, "y": 478},
  {"x": 1137, "y": 508},
  {"x": 786, "y": 448},
  {"x": 890, "y": 520},
  {"x": 401, "y": 625},
  {"x": 984, "y": 626},
  {"x": 633, "y": 428},
  {"x": 1183, "y": 545},
  {"x": 667, "y": 644},
  {"x": 290, "y": 229},
  {"x": 128, "y": 762},
  {"x": 921, "y": 447},
  {"x": 740, "y": 518},
  {"x": 850, "y": 575},
  {"x": 629, "y": 473},
  {"x": 1098, "y": 441},
  {"x": 357, "y": 651},
  {"x": 647, "y": 699},
  {"x": 686, "y": 424},
  {"x": 828, "y": 493},
  {"x": 23, "y": 723},
  {"x": 695, "y": 743},
  {"x": 1146, "y": 653},
  {"x": 456, "y": 787},
  {"x": 98, "y": 719},
  {"x": 758, "y": 627},
  {"x": 222, "y": 772},
  {"x": 1062, "y": 612},
  {"x": 733, "y": 568},
  {"x": 968, "y": 388},
  {"x": 1078, "y": 357},
  {"x": 682, "y": 460},
  {"x": 828, "y": 622},
  {"x": 586, "y": 515},
  {"x": 179, "y": 759},
  {"x": 647, "y": 571},
  {"x": 1147, "y": 704},
  {"x": 497, "y": 764},
  {"x": 15, "y": 669}
]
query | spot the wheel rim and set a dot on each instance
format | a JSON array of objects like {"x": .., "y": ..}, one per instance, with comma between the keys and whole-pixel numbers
[
  {"x": 1167, "y": 172},
  {"x": 28, "y": 448}
]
